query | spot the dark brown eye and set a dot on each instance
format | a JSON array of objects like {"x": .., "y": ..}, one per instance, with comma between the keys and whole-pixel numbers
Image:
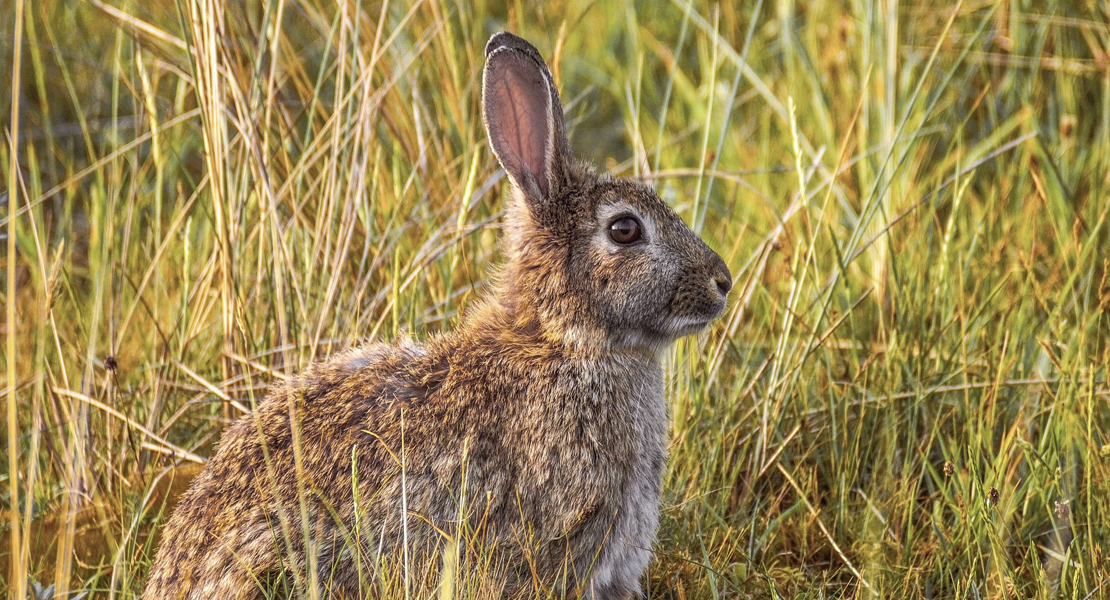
[{"x": 625, "y": 230}]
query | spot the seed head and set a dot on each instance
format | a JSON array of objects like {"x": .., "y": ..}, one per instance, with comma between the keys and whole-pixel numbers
[{"x": 993, "y": 497}]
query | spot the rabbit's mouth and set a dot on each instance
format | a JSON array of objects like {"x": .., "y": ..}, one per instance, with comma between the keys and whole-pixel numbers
[
  {"x": 692, "y": 313},
  {"x": 683, "y": 326},
  {"x": 662, "y": 335}
]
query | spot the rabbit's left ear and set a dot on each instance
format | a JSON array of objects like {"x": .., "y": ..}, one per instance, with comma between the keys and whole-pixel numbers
[{"x": 524, "y": 119}]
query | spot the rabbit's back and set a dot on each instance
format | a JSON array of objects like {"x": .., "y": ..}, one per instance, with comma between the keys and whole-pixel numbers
[{"x": 241, "y": 521}]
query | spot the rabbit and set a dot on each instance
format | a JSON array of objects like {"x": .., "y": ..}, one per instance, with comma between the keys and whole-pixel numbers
[{"x": 537, "y": 428}]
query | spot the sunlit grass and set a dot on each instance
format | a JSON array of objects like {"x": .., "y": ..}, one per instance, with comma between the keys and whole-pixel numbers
[{"x": 907, "y": 398}]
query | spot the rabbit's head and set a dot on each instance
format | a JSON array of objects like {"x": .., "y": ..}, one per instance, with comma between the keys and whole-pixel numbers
[{"x": 593, "y": 261}]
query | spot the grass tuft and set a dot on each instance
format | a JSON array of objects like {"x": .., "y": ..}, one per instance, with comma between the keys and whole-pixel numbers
[{"x": 908, "y": 397}]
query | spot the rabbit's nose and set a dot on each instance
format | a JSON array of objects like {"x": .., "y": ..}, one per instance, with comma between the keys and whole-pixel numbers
[
  {"x": 724, "y": 283},
  {"x": 721, "y": 276}
]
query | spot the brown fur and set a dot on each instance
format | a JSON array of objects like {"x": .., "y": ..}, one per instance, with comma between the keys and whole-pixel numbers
[{"x": 537, "y": 429}]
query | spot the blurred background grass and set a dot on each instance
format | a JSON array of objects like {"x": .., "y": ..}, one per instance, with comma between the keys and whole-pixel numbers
[{"x": 907, "y": 398}]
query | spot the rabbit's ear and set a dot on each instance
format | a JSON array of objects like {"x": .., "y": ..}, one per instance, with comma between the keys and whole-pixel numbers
[{"x": 524, "y": 119}]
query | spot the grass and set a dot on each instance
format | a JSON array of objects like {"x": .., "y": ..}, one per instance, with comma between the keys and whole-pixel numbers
[{"x": 907, "y": 398}]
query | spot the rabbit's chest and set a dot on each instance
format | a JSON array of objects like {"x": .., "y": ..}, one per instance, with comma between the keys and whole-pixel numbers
[
  {"x": 614, "y": 424},
  {"x": 627, "y": 551},
  {"x": 618, "y": 459}
]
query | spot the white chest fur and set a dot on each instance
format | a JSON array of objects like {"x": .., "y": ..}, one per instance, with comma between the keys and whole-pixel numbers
[
  {"x": 595, "y": 470},
  {"x": 627, "y": 550}
]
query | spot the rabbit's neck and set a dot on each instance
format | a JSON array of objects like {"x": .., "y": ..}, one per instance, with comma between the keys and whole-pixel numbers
[{"x": 507, "y": 318}]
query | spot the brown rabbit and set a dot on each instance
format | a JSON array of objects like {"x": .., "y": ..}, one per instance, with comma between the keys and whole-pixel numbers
[{"x": 537, "y": 430}]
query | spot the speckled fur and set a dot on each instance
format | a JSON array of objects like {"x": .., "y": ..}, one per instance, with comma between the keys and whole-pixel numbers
[{"x": 540, "y": 422}]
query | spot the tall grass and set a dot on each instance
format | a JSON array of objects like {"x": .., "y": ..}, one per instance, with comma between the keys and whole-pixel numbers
[{"x": 907, "y": 398}]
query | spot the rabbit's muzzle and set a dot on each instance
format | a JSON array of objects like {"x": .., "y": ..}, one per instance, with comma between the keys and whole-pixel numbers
[{"x": 701, "y": 295}]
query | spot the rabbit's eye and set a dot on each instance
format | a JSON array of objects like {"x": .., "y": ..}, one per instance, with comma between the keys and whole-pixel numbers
[{"x": 625, "y": 230}]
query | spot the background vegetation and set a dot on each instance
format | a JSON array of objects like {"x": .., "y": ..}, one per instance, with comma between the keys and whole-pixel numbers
[{"x": 907, "y": 398}]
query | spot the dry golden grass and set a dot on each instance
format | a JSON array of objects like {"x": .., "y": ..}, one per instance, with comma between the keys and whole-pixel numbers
[{"x": 907, "y": 398}]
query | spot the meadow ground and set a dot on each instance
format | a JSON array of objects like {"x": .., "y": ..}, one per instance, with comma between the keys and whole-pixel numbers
[{"x": 907, "y": 397}]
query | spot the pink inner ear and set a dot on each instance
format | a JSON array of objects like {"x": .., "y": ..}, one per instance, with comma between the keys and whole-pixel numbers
[{"x": 520, "y": 108}]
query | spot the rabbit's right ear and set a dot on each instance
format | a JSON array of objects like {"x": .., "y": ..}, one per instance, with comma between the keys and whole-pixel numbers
[{"x": 524, "y": 120}]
